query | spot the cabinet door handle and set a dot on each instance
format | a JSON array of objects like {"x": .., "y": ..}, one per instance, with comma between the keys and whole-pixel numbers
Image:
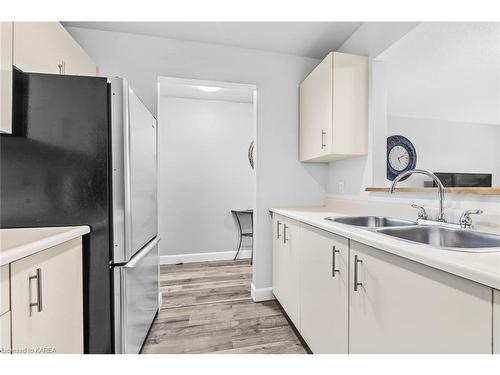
[
  {"x": 38, "y": 278},
  {"x": 278, "y": 229},
  {"x": 356, "y": 283},
  {"x": 334, "y": 270},
  {"x": 323, "y": 133},
  {"x": 285, "y": 227},
  {"x": 62, "y": 67}
]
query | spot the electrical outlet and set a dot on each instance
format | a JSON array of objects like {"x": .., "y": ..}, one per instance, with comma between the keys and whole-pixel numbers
[{"x": 341, "y": 187}]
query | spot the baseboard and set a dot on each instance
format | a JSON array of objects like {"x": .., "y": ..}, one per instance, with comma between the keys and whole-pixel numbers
[
  {"x": 262, "y": 294},
  {"x": 204, "y": 257}
]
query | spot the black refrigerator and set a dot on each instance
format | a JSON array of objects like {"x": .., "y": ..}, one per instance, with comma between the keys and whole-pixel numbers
[{"x": 70, "y": 160}]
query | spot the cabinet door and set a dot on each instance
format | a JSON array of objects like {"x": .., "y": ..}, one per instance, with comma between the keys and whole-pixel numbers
[
  {"x": 350, "y": 105},
  {"x": 53, "y": 280},
  {"x": 405, "y": 307},
  {"x": 316, "y": 111},
  {"x": 277, "y": 248},
  {"x": 324, "y": 279},
  {"x": 6, "y": 77},
  {"x": 4, "y": 289},
  {"x": 288, "y": 271},
  {"x": 496, "y": 321},
  {"x": 5, "y": 333},
  {"x": 46, "y": 47}
]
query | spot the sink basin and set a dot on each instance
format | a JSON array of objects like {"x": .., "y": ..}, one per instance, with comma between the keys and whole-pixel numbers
[
  {"x": 451, "y": 239},
  {"x": 371, "y": 221}
]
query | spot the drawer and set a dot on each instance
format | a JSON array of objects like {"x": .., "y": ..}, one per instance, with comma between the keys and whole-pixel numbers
[{"x": 4, "y": 289}]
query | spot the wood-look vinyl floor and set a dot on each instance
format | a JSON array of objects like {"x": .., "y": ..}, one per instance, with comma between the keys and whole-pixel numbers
[{"x": 207, "y": 308}]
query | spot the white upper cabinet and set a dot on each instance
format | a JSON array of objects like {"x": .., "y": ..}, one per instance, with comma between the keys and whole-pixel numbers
[
  {"x": 400, "y": 306},
  {"x": 334, "y": 109},
  {"x": 6, "y": 77},
  {"x": 46, "y": 47}
]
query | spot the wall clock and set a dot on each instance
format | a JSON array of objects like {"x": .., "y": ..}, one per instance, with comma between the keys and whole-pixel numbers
[{"x": 401, "y": 156}]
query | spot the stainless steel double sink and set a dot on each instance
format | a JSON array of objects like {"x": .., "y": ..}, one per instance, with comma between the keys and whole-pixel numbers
[{"x": 436, "y": 236}]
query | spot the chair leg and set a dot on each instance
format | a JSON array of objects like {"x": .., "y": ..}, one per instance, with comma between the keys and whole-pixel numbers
[
  {"x": 251, "y": 259},
  {"x": 239, "y": 247}
]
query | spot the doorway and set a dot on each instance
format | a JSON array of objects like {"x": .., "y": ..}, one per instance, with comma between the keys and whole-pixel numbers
[{"x": 206, "y": 131}]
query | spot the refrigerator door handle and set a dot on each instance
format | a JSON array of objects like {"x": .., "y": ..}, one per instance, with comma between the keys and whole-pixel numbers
[{"x": 137, "y": 259}]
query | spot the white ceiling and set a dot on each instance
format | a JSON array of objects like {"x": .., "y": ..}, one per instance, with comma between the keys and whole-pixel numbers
[
  {"x": 310, "y": 39},
  {"x": 196, "y": 89}
]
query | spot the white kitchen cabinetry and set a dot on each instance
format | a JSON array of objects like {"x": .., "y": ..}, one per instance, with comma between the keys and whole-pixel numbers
[
  {"x": 4, "y": 289},
  {"x": 277, "y": 248},
  {"x": 6, "y": 77},
  {"x": 4, "y": 309},
  {"x": 496, "y": 321},
  {"x": 334, "y": 109},
  {"x": 47, "y": 300},
  {"x": 324, "y": 279},
  {"x": 5, "y": 333},
  {"x": 401, "y": 306},
  {"x": 46, "y": 47},
  {"x": 285, "y": 266}
]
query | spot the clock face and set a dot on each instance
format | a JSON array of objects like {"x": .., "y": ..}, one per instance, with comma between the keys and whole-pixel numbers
[{"x": 399, "y": 158}]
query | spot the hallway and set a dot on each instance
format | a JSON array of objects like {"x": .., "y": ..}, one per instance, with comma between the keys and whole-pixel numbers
[{"x": 207, "y": 308}]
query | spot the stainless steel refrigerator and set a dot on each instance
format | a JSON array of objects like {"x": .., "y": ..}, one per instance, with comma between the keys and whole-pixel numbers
[
  {"x": 135, "y": 224},
  {"x": 84, "y": 151}
]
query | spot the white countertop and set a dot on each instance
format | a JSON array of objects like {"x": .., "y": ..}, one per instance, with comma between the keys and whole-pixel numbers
[
  {"x": 483, "y": 268},
  {"x": 17, "y": 243}
]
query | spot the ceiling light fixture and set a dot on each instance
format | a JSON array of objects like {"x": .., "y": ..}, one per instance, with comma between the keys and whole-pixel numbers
[{"x": 209, "y": 88}]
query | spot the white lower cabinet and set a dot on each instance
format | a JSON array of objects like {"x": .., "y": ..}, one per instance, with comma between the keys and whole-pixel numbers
[
  {"x": 47, "y": 300},
  {"x": 496, "y": 321},
  {"x": 285, "y": 267},
  {"x": 277, "y": 248},
  {"x": 347, "y": 297},
  {"x": 324, "y": 279},
  {"x": 4, "y": 289},
  {"x": 5, "y": 333},
  {"x": 400, "y": 306}
]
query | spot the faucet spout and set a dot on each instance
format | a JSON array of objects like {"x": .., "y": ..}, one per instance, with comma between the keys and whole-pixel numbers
[{"x": 441, "y": 215}]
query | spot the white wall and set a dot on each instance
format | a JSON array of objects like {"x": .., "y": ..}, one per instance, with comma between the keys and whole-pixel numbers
[
  {"x": 204, "y": 173},
  {"x": 354, "y": 175},
  {"x": 351, "y": 176},
  {"x": 446, "y": 70},
  {"x": 449, "y": 146},
  {"x": 280, "y": 178},
  {"x": 443, "y": 93}
]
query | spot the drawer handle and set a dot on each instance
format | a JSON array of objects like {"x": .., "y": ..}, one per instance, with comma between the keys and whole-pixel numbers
[
  {"x": 285, "y": 227},
  {"x": 334, "y": 270},
  {"x": 278, "y": 229},
  {"x": 38, "y": 278},
  {"x": 356, "y": 283}
]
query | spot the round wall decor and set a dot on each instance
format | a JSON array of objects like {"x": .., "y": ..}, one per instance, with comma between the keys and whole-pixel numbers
[
  {"x": 250, "y": 154},
  {"x": 401, "y": 156}
]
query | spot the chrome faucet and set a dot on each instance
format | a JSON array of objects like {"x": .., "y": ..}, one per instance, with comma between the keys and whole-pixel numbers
[
  {"x": 465, "y": 219},
  {"x": 441, "y": 216}
]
